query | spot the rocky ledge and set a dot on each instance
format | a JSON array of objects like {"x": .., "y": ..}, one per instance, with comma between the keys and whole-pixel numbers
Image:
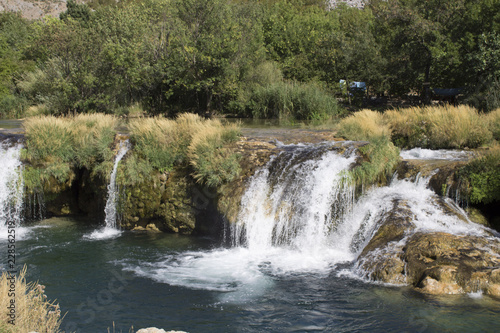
[{"x": 431, "y": 262}]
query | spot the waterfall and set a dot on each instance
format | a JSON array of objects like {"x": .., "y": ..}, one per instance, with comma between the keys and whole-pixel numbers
[
  {"x": 110, "y": 228},
  {"x": 297, "y": 201},
  {"x": 299, "y": 216},
  {"x": 110, "y": 208},
  {"x": 11, "y": 186}
]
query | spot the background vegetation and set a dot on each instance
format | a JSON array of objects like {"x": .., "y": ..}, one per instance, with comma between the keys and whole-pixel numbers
[{"x": 272, "y": 58}]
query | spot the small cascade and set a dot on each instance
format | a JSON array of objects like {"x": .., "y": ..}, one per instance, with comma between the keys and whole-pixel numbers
[
  {"x": 296, "y": 205},
  {"x": 111, "y": 202},
  {"x": 110, "y": 227},
  {"x": 11, "y": 187}
]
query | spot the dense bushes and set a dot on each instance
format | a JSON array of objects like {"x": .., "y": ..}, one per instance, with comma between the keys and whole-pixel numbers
[
  {"x": 481, "y": 178},
  {"x": 204, "y": 56}
]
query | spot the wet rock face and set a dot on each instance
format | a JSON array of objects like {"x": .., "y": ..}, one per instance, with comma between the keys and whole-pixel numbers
[
  {"x": 432, "y": 262},
  {"x": 163, "y": 203},
  {"x": 440, "y": 263}
]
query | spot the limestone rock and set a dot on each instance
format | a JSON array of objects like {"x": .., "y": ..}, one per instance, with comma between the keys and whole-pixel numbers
[{"x": 156, "y": 330}]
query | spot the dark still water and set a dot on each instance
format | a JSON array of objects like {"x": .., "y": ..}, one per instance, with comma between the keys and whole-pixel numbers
[{"x": 190, "y": 284}]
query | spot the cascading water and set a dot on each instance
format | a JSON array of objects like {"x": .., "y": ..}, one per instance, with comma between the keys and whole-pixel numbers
[
  {"x": 298, "y": 216},
  {"x": 110, "y": 228},
  {"x": 11, "y": 187},
  {"x": 296, "y": 204},
  {"x": 110, "y": 209}
]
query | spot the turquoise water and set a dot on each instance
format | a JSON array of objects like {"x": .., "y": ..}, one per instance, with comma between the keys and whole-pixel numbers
[{"x": 196, "y": 285}]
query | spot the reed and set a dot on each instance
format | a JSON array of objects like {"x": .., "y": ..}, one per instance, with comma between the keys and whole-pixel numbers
[
  {"x": 363, "y": 125},
  {"x": 214, "y": 163},
  {"x": 438, "y": 127},
  {"x": 493, "y": 120},
  {"x": 33, "y": 312}
]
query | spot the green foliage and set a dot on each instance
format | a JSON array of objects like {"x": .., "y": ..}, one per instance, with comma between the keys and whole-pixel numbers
[
  {"x": 14, "y": 35},
  {"x": 481, "y": 178},
  {"x": 76, "y": 11},
  {"x": 204, "y": 56},
  {"x": 293, "y": 101}
]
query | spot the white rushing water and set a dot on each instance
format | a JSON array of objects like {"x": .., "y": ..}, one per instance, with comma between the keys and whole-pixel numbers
[
  {"x": 110, "y": 228},
  {"x": 297, "y": 216},
  {"x": 11, "y": 189},
  {"x": 439, "y": 154}
]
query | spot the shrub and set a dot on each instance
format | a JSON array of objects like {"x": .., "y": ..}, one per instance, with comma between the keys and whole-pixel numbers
[
  {"x": 481, "y": 178},
  {"x": 33, "y": 311},
  {"x": 363, "y": 125}
]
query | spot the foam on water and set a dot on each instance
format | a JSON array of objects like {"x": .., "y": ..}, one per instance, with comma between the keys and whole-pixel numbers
[
  {"x": 440, "y": 154},
  {"x": 103, "y": 233}
]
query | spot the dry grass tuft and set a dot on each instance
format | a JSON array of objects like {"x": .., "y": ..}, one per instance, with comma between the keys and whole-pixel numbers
[
  {"x": 493, "y": 120},
  {"x": 33, "y": 312},
  {"x": 364, "y": 125},
  {"x": 438, "y": 127}
]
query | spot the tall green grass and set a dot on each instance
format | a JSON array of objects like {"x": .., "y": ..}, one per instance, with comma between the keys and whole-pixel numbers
[
  {"x": 438, "y": 127},
  {"x": 298, "y": 101}
]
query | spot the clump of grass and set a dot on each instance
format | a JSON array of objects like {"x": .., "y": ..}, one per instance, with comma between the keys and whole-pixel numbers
[
  {"x": 48, "y": 139},
  {"x": 493, "y": 121},
  {"x": 213, "y": 162},
  {"x": 156, "y": 140},
  {"x": 54, "y": 145},
  {"x": 438, "y": 127},
  {"x": 381, "y": 158},
  {"x": 300, "y": 101},
  {"x": 93, "y": 137},
  {"x": 363, "y": 125},
  {"x": 481, "y": 178},
  {"x": 187, "y": 140},
  {"x": 380, "y": 155},
  {"x": 33, "y": 312}
]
